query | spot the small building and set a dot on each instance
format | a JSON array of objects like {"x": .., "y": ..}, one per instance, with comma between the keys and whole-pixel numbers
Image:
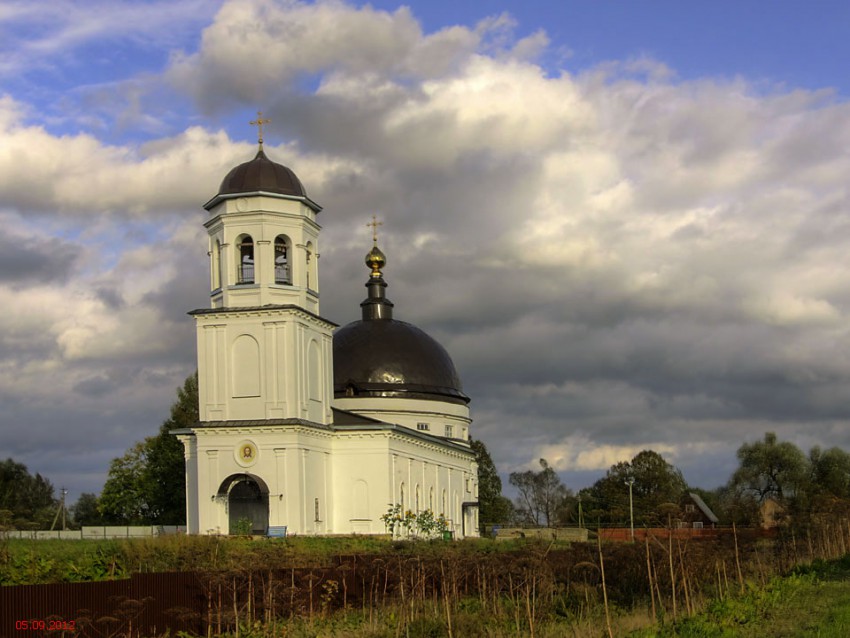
[{"x": 696, "y": 513}]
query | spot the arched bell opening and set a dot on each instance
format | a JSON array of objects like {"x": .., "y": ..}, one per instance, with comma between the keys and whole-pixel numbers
[
  {"x": 283, "y": 260},
  {"x": 247, "y": 499},
  {"x": 245, "y": 260}
]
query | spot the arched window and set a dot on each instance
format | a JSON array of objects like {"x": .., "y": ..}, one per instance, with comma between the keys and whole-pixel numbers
[
  {"x": 401, "y": 496},
  {"x": 443, "y": 509},
  {"x": 246, "y": 260},
  {"x": 418, "y": 505},
  {"x": 431, "y": 499},
  {"x": 282, "y": 266}
]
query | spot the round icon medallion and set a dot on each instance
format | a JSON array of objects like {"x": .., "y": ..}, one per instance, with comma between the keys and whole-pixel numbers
[{"x": 246, "y": 453}]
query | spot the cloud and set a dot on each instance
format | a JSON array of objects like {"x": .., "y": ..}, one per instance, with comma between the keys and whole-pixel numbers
[
  {"x": 28, "y": 260},
  {"x": 277, "y": 42},
  {"x": 290, "y": 44},
  {"x": 78, "y": 175}
]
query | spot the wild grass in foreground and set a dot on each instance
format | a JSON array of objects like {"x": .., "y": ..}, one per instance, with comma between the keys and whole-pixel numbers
[
  {"x": 813, "y": 601},
  {"x": 466, "y": 619},
  {"x": 369, "y": 587}
]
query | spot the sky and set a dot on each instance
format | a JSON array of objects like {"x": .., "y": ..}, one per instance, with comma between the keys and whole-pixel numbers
[{"x": 627, "y": 222}]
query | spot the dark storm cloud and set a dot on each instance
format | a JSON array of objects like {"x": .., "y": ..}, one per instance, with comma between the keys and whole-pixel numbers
[
  {"x": 71, "y": 440},
  {"x": 97, "y": 386},
  {"x": 111, "y": 296},
  {"x": 29, "y": 260}
]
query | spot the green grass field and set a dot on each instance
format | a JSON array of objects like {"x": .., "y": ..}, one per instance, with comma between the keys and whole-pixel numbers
[{"x": 812, "y": 602}]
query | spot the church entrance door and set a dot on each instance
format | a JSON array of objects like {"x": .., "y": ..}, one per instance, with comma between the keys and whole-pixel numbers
[{"x": 247, "y": 505}]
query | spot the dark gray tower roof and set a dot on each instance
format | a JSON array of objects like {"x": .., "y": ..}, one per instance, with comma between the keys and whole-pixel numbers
[{"x": 262, "y": 174}]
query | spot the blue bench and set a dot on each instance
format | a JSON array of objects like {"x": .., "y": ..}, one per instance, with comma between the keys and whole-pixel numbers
[{"x": 276, "y": 531}]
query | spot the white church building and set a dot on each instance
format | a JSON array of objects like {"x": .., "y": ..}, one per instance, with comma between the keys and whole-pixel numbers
[{"x": 304, "y": 424}]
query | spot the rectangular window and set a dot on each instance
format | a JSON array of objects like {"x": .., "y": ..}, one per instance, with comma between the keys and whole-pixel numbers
[
  {"x": 450, "y": 431},
  {"x": 316, "y": 505},
  {"x": 423, "y": 427},
  {"x": 697, "y": 524}
]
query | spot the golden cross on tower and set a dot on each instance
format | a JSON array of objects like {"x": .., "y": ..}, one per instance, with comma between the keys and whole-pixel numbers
[
  {"x": 374, "y": 226},
  {"x": 259, "y": 124}
]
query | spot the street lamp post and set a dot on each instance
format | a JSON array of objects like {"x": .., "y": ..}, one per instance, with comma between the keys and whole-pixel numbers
[{"x": 630, "y": 482}]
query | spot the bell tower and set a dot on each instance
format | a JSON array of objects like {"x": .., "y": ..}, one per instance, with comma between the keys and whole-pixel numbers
[{"x": 263, "y": 350}]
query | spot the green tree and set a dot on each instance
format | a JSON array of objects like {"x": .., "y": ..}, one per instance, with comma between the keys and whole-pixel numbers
[
  {"x": 826, "y": 486},
  {"x": 166, "y": 470},
  {"x": 493, "y": 508},
  {"x": 735, "y": 506},
  {"x": 829, "y": 473},
  {"x": 148, "y": 484},
  {"x": 770, "y": 469},
  {"x": 28, "y": 500},
  {"x": 657, "y": 488},
  {"x": 543, "y": 500},
  {"x": 85, "y": 512},
  {"x": 123, "y": 500}
]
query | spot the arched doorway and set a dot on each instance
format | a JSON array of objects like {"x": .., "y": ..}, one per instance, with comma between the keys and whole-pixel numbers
[{"x": 247, "y": 504}]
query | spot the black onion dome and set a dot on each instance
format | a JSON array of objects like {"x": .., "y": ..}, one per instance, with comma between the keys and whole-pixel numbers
[
  {"x": 393, "y": 359},
  {"x": 262, "y": 174}
]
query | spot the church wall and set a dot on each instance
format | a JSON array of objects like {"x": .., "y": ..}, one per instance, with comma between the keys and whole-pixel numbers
[
  {"x": 417, "y": 472},
  {"x": 293, "y": 463},
  {"x": 255, "y": 366},
  {"x": 372, "y": 468},
  {"x": 322, "y": 482},
  {"x": 428, "y": 470},
  {"x": 360, "y": 481},
  {"x": 410, "y": 413},
  {"x": 317, "y": 510},
  {"x": 190, "y": 455}
]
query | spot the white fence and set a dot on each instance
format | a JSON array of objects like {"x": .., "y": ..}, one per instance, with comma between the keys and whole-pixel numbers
[{"x": 98, "y": 532}]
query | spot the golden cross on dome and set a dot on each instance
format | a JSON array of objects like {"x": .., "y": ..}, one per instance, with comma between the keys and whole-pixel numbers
[
  {"x": 374, "y": 226},
  {"x": 259, "y": 124}
]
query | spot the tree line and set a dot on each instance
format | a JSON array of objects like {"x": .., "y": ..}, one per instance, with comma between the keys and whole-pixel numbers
[
  {"x": 147, "y": 486},
  {"x": 800, "y": 488}
]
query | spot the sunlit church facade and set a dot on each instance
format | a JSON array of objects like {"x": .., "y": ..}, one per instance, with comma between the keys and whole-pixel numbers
[{"x": 304, "y": 424}]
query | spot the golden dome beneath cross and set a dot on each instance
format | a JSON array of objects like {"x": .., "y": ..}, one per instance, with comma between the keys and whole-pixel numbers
[{"x": 376, "y": 260}]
